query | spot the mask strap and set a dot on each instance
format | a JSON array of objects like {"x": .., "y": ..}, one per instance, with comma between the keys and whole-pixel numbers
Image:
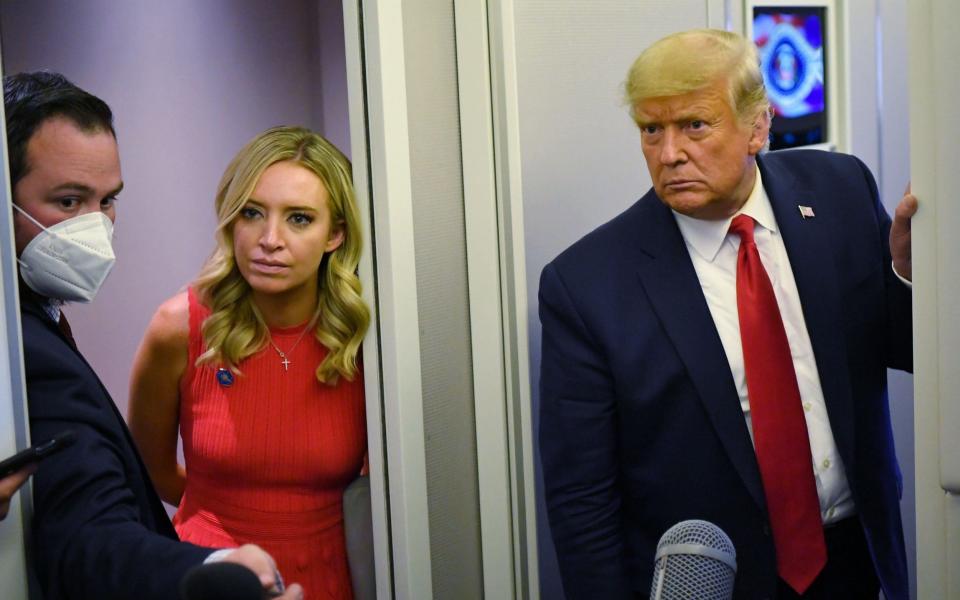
[
  {"x": 27, "y": 215},
  {"x": 22, "y": 264},
  {"x": 54, "y": 233}
]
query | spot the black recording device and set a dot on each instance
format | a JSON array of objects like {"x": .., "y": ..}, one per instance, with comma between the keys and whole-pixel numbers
[{"x": 37, "y": 452}]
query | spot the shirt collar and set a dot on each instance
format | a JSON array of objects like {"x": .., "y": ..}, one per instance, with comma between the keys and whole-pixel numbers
[
  {"x": 706, "y": 237},
  {"x": 52, "y": 308}
]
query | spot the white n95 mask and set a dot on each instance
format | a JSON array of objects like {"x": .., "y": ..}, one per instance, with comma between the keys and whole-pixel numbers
[{"x": 70, "y": 260}]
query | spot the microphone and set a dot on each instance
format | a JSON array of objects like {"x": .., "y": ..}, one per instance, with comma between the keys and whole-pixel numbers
[
  {"x": 695, "y": 559},
  {"x": 221, "y": 581}
]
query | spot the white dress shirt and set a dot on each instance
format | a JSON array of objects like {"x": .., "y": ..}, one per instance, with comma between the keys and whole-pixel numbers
[{"x": 714, "y": 255}]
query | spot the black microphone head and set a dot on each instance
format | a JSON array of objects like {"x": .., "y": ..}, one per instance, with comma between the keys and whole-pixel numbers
[
  {"x": 220, "y": 581},
  {"x": 695, "y": 559}
]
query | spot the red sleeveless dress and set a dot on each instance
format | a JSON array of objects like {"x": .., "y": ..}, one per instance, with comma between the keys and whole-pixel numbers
[{"x": 268, "y": 457}]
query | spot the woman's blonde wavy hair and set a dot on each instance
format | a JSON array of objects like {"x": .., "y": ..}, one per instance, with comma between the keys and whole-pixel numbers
[{"x": 235, "y": 328}]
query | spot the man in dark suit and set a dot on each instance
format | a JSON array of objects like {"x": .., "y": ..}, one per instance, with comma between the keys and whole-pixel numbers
[
  {"x": 99, "y": 529},
  {"x": 719, "y": 350}
]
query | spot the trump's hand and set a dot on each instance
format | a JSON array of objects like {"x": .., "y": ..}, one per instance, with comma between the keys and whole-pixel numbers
[
  {"x": 900, "y": 235},
  {"x": 262, "y": 564},
  {"x": 9, "y": 486}
]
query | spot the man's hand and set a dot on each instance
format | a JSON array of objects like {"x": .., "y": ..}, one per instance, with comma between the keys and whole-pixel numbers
[
  {"x": 9, "y": 486},
  {"x": 294, "y": 592},
  {"x": 262, "y": 564},
  {"x": 900, "y": 235}
]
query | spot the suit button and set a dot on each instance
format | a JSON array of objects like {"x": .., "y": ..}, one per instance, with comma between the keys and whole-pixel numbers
[{"x": 766, "y": 530}]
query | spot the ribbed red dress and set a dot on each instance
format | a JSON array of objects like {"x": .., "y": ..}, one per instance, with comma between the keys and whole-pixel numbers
[{"x": 268, "y": 457}]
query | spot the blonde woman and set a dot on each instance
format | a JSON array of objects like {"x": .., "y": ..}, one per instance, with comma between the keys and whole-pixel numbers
[{"x": 256, "y": 366}]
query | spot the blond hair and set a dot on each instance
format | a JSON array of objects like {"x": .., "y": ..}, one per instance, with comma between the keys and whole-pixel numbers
[
  {"x": 235, "y": 328},
  {"x": 689, "y": 61}
]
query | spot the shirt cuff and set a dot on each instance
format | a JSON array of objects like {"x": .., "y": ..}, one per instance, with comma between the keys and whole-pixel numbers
[
  {"x": 906, "y": 282},
  {"x": 217, "y": 555}
]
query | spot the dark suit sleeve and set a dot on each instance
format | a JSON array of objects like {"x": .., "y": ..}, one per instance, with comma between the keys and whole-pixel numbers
[
  {"x": 898, "y": 343},
  {"x": 578, "y": 446},
  {"x": 92, "y": 536}
]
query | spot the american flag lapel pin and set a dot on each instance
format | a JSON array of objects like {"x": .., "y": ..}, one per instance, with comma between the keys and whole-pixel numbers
[{"x": 806, "y": 212}]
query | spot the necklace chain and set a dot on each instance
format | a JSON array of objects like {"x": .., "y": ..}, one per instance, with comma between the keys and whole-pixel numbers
[{"x": 283, "y": 355}]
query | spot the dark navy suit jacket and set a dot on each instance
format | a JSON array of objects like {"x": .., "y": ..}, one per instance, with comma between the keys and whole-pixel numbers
[
  {"x": 640, "y": 424},
  {"x": 99, "y": 529}
]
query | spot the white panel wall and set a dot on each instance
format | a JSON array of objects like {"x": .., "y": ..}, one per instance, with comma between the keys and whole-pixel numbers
[
  {"x": 14, "y": 434},
  {"x": 934, "y": 146},
  {"x": 12, "y": 565},
  {"x": 13, "y": 429},
  {"x": 449, "y": 423}
]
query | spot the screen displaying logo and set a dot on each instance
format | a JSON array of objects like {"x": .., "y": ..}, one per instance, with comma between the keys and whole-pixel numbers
[{"x": 790, "y": 41}]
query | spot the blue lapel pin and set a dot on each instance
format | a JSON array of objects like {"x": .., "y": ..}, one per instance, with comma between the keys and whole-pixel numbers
[{"x": 224, "y": 377}]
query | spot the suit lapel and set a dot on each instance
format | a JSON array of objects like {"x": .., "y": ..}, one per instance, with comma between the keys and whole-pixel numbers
[
  {"x": 670, "y": 282},
  {"x": 809, "y": 243}
]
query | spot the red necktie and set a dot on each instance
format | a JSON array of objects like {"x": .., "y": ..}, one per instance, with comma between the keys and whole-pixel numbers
[{"x": 779, "y": 428}]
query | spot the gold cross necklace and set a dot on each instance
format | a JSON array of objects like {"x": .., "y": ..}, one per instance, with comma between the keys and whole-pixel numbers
[{"x": 283, "y": 355}]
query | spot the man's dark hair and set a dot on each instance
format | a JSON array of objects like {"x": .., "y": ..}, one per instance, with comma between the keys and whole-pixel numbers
[{"x": 31, "y": 98}]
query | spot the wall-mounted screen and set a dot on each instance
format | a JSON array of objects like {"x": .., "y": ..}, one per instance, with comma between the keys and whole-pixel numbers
[{"x": 792, "y": 44}]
